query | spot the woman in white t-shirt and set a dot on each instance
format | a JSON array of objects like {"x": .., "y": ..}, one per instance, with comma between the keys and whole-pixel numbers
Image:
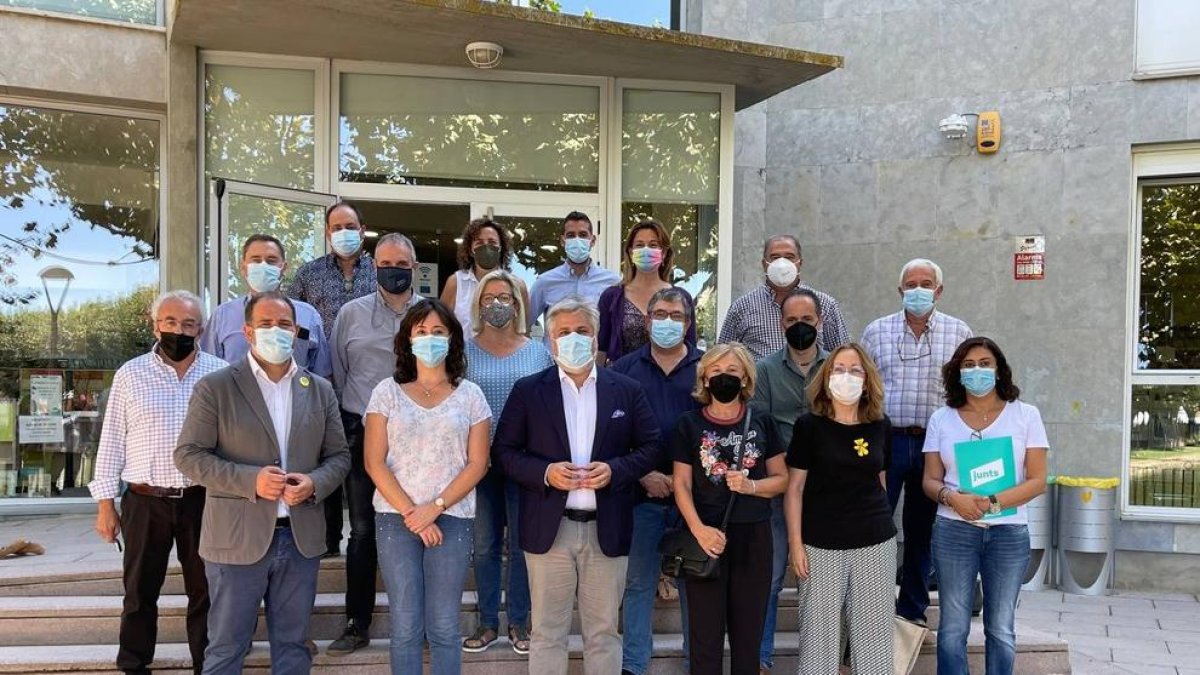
[
  {"x": 425, "y": 447},
  {"x": 967, "y": 444}
]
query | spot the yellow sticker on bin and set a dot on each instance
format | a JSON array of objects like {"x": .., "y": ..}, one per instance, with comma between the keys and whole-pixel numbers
[{"x": 1090, "y": 482}]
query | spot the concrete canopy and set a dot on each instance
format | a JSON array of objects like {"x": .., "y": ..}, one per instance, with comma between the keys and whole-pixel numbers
[{"x": 434, "y": 32}]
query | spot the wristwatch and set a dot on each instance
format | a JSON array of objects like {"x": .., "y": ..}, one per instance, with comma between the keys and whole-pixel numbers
[
  {"x": 440, "y": 503},
  {"x": 994, "y": 506}
]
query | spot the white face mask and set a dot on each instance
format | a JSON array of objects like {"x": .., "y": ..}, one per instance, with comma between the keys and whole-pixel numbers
[
  {"x": 846, "y": 388},
  {"x": 782, "y": 272}
]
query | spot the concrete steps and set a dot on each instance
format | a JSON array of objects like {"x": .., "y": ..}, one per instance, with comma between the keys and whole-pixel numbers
[{"x": 1038, "y": 654}]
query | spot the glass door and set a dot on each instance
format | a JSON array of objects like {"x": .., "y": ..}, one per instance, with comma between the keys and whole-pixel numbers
[{"x": 240, "y": 209}]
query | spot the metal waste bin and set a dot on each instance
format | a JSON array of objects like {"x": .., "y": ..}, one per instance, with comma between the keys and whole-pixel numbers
[
  {"x": 1039, "y": 575},
  {"x": 1086, "y": 512}
]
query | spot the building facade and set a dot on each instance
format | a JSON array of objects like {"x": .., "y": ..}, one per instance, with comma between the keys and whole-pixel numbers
[{"x": 1100, "y": 154}]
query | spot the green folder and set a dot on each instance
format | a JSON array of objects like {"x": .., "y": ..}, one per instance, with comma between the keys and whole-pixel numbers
[{"x": 987, "y": 467}]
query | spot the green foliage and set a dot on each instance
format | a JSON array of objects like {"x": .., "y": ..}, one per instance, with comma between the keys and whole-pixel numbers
[
  {"x": 133, "y": 11},
  {"x": 101, "y": 334},
  {"x": 1169, "y": 317}
]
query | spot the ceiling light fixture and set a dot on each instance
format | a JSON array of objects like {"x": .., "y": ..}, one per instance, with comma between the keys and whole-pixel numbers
[{"x": 484, "y": 55}]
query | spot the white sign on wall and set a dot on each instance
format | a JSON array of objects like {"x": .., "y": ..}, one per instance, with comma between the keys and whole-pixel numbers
[{"x": 425, "y": 279}]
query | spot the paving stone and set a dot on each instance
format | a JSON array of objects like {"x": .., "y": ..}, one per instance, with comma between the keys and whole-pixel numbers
[
  {"x": 1171, "y": 636},
  {"x": 1143, "y": 658},
  {"x": 1139, "y": 621}
]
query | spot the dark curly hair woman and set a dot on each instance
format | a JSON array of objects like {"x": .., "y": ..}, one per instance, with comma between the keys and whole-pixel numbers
[{"x": 484, "y": 246}]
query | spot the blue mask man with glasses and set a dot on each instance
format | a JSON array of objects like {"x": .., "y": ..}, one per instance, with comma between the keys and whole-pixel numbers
[{"x": 910, "y": 347}]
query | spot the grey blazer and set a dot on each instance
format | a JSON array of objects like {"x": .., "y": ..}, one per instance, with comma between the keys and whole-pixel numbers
[{"x": 228, "y": 437}]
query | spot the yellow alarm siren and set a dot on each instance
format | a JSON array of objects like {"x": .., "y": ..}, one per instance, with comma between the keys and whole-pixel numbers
[{"x": 987, "y": 132}]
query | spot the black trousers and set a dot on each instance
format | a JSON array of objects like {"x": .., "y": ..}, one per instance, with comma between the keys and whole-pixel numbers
[
  {"x": 736, "y": 601},
  {"x": 333, "y": 520},
  {"x": 362, "y": 563},
  {"x": 150, "y": 526}
]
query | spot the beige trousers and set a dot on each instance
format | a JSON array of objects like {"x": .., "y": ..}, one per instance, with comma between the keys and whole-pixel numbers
[{"x": 575, "y": 566}]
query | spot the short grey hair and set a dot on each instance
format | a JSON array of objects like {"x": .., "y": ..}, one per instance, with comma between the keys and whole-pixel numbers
[
  {"x": 393, "y": 238},
  {"x": 182, "y": 296},
  {"x": 514, "y": 285},
  {"x": 570, "y": 305},
  {"x": 782, "y": 237},
  {"x": 673, "y": 294},
  {"x": 918, "y": 263}
]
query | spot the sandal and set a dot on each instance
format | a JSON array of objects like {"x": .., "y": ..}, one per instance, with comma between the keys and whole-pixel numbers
[
  {"x": 480, "y": 640},
  {"x": 519, "y": 637}
]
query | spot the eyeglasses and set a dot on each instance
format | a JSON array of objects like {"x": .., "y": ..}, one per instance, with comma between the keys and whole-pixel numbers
[
  {"x": 853, "y": 370},
  {"x": 505, "y": 299},
  {"x": 173, "y": 325},
  {"x": 659, "y": 315},
  {"x": 913, "y": 351}
]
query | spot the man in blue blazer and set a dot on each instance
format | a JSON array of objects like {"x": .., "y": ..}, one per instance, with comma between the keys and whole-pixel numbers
[{"x": 576, "y": 439}]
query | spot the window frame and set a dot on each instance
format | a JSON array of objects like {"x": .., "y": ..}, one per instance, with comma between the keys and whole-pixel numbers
[
  {"x": 1143, "y": 71},
  {"x": 1156, "y": 165},
  {"x": 22, "y": 506}
]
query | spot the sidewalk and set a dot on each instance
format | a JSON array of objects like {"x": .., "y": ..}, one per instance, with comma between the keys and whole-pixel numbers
[{"x": 1130, "y": 632}]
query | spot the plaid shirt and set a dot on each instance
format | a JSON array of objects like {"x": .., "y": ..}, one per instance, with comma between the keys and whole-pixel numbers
[
  {"x": 756, "y": 320},
  {"x": 146, "y": 407},
  {"x": 320, "y": 283},
  {"x": 911, "y": 368}
]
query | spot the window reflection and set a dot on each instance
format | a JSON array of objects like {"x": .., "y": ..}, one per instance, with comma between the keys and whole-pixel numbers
[
  {"x": 132, "y": 11},
  {"x": 1164, "y": 457},
  {"x": 1169, "y": 312},
  {"x": 78, "y": 268}
]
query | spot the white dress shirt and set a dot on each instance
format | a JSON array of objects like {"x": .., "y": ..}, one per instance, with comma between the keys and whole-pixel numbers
[
  {"x": 278, "y": 397},
  {"x": 579, "y": 407},
  {"x": 142, "y": 419}
]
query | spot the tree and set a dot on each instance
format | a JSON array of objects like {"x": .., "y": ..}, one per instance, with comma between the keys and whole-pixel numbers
[{"x": 1169, "y": 313}]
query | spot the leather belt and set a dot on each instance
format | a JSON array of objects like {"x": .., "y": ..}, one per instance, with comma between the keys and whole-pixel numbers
[
  {"x": 283, "y": 522},
  {"x": 155, "y": 491},
  {"x": 909, "y": 431},
  {"x": 579, "y": 515}
]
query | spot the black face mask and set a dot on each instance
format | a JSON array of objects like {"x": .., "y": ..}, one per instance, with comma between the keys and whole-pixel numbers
[
  {"x": 800, "y": 335},
  {"x": 725, "y": 387},
  {"x": 487, "y": 256},
  {"x": 176, "y": 346},
  {"x": 394, "y": 280}
]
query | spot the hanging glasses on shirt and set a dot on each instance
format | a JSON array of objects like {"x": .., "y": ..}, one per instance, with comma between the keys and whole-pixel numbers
[{"x": 912, "y": 350}]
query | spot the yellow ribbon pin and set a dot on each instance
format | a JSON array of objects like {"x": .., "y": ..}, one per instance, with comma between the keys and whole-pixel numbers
[
  {"x": 303, "y": 381},
  {"x": 860, "y": 447}
]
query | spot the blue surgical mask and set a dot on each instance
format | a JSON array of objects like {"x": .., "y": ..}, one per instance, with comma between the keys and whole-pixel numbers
[
  {"x": 574, "y": 352},
  {"x": 262, "y": 277},
  {"x": 345, "y": 242},
  {"x": 273, "y": 345},
  {"x": 431, "y": 350},
  {"x": 578, "y": 249},
  {"x": 978, "y": 381},
  {"x": 666, "y": 333},
  {"x": 918, "y": 301}
]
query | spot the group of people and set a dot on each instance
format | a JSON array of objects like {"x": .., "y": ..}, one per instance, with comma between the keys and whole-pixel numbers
[{"x": 453, "y": 436}]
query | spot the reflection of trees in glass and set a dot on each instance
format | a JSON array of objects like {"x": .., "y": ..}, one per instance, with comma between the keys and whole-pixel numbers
[
  {"x": 259, "y": 128},
  {"x": 97, "y": 334},
  {"x": 102, "y": 170},
  {"x": 133, "y": 11},
  {"x": 1169, "y": 317},
  {"x": 1165, "y": 446}
]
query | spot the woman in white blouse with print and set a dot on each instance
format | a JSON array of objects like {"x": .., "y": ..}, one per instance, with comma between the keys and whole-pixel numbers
[{"x": 425, "y": 447}]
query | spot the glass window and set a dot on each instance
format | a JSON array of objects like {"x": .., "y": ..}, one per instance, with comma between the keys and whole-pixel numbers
[
  {"x": 1164, "y": 455},
  {"x": 260, "y": 127},
  {"x": 1166, "y": 37},
  {"x": 469, "y": 133},
  {"x": 656, "y": 13},
  {"x": 1169, "y": 306},
  {"x": 132, "y": 11},
  {"x": 300, "y": 227},
  {"x": 670, "y": 171},
  {"x": 79, "y": 217}
]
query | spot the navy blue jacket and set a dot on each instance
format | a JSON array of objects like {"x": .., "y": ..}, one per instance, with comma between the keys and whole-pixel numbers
[{"x": 532, "y": 435}]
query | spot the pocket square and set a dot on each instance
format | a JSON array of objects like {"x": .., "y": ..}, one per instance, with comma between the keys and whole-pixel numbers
[{"x": 618, "y": 414}]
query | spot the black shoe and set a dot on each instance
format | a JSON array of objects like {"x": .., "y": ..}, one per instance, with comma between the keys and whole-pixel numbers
[{"x": 354, "y": 638}]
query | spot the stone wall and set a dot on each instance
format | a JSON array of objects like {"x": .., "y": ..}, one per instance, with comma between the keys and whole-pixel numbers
[{"x": 854, "y": 163}]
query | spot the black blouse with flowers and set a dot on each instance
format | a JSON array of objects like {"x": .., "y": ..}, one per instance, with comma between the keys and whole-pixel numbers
[
  {"x": 709, "y": 446},
  {"x": 845, "y": 505}
]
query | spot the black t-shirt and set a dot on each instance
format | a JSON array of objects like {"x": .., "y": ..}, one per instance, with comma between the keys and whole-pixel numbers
[
  {"x": 845, "y": 505},
  {"x": 709, "y": 447}
]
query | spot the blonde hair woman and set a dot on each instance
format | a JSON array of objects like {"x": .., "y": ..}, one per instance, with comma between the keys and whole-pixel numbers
[
  {"x": 840, "y": 531},
  {"x": 728, "y": 450},
  {"x": 499, "y": 354}
]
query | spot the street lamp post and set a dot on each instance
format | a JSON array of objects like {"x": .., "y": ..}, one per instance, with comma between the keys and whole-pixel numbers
[{"x": 59, "y": 277}]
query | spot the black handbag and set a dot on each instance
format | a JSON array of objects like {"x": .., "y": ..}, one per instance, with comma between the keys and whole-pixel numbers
[{"x": 682, "y": 556}]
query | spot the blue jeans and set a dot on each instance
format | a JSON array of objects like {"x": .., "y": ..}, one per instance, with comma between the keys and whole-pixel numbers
[
  {"x": 907, "y": 472},
  {"x": 424, "y": 587},
  {"x": 999, "y": 554},
  {"x": 779, "y": 559},
  {"x": 288, "y": 582},
  {"x": 495, "y": 506},
  {"x": 650, "y": 521}
]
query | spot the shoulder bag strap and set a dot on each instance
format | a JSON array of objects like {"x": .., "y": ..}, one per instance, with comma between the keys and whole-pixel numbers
[{"x": 737, "y": 462}]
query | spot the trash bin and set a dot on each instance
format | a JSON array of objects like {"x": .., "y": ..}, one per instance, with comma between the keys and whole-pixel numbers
[
  {"x": 1039, "y": 575},
  {"x": 1086, "y": 511}
]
